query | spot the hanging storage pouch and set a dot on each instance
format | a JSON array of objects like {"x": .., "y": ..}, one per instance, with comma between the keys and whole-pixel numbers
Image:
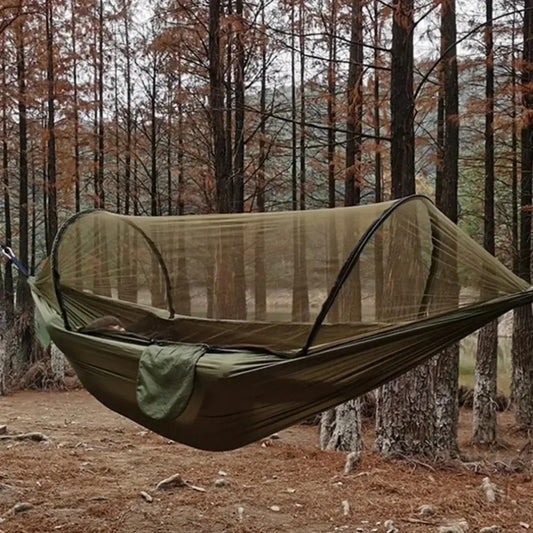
[{"x": 165, "y": 379}]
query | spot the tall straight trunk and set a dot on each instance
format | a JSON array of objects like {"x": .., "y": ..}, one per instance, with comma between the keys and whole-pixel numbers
[
  {"x": 260, "y": 300},
  {"x": 402, "y": 100},
  {"x": 353, "y": 181},
  {"x": 181, "y": 143},
  {"x": 118, "y": 191},
  {"x": 136, "y": 194},
  {"x": 485, "y": 388},
  {"x": 44, "y": 180},
  {"x": 378, "y": 166},
  {"x": 405, "y": 413},
  {"x": 33, "y": 211},
  {"x": 340, "y": 428},
  {"x": 24, "y": 349},
  {"x": 51, "y": 145},
  {"x": 514, "y": 155},
  {"x": 294, "y": 171},
  {"x": 303, "y": 170},
  {"x": 101, "y": 191},
  {"x": 77, "y": 198},
  {"x": 332, "y": 252},
  {"x": 447, "y": 364},
  {"x": 170, "y": 125},
  {"x": 351, "y": 302},
  {"x": 229, "y": 99},
  {"x": 218, "y": 283},
  {"x": 153, "y": 140},
  {"x": 95, "y": 176},
  {"x": 238, "y": 171},
  {"x": 300, "y": 290},
  {"x": 332, "y": 101},
  {"x": 127, "y": 162},
  {"x": 8, "y": 300},
  {"x": 440, "y": 126},
  {"x": 522, "y": 374},
  {"x": 216, "y": 109},
  {"x": 183, "y": 289},
  {"x": 23, "y": 162}
]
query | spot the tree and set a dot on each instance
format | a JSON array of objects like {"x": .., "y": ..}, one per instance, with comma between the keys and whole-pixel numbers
[
  {"x": 404, "y": 416},
  {"x": 340, "y": 427},
  {"x": 7, "y": 289},
  {"x": 485, "y": 389},
  {"x": 446, "y": 196},
  {"x": 24, "y": 351},
  {"x": 216, "y": 110},
  {"x": 522, "y": 372},
  {"x": 51, "y": 187}
]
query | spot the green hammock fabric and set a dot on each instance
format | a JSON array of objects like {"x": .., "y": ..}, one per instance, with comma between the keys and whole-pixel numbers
[{"x": 406, "y": 285}]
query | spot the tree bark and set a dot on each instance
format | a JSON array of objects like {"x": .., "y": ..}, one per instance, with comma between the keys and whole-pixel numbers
[
  {"x": 405, "y": 406},
  {"x": 260, "y": 297},
  {"x": 216, "y": 109},
  {"x": 402, "y": 100},
  {"x": 340, "y": 427},
  {"x": 7, "y": 289},
  {"x": 352, "y": 195},
  {"x": 77, "y": 197},
  {"x": 522, "y": 352},
  {"x": 24, "y": 349},
  {"x": 447, "y": 364},
  {"x": 485, "y": 388},
  {"x": 51, "y": 145}
]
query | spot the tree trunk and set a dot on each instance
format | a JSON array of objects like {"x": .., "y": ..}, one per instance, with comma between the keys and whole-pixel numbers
[
  {"x": 23, "y": 347},
  {"x": 402, "y": 100},
  {"x": 77, "y": 198},
  {"x": 238, "y": 174},
  {"x": 216, "y": 110},
  {"x": 514, "y": 152},
  {"x": 352, "y": 195},
  {"x": 340, "y": 427},
  {"x": 51, "y": 146},
  {"x": 485, "y": 388},
  {"x": 447, "y": 364},
  {"x": 332, "y": 101},
  {"x": 7, "y": 289},
  {"x": 405, "y": 406},
  {"x": 260, "y": 297},
  {"x": 127, "y": 161},
  {"x": 100, "y": 170},
  {"x": 522, "y": 374}
]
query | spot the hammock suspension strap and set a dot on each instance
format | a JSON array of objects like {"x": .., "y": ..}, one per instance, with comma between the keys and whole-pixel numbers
[{"x": 12, "y": 258}]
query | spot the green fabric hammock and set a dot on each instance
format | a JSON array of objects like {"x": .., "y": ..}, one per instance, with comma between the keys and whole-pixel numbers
[{"x": 241, "y": 325}]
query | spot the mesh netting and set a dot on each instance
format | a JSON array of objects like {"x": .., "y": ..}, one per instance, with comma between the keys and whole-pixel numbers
[{"x": 262, "y": 279}]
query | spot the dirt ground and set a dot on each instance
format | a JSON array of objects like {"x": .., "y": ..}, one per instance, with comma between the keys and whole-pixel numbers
[{"x": 89, "y": 478}]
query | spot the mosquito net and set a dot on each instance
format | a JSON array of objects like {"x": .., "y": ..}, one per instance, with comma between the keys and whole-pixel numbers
[{"x": 280, "y": 281}]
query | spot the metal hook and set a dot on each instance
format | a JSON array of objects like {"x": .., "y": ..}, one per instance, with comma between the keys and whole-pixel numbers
[{"x": 8, "y": 252}]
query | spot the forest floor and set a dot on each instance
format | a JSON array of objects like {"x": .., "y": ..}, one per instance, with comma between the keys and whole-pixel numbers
[{"x": 89, "y": 478}]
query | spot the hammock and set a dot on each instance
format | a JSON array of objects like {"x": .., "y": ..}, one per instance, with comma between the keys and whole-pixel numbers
[{"x": 240, "y": 325}]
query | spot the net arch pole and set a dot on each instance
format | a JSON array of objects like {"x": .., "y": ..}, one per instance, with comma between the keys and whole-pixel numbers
[
  {"x": 350, "y": 263},
  {"x": 56, "y": 276}
]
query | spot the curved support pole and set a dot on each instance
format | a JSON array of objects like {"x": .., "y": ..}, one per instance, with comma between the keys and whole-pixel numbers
[
  {"x": 55, "y": 264},
  {"x": 349, "y": 264},
  {"x": 162, "y": 264},
  {"x": 426, "y": 298},
  {"x": 56, "y": 277}
]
